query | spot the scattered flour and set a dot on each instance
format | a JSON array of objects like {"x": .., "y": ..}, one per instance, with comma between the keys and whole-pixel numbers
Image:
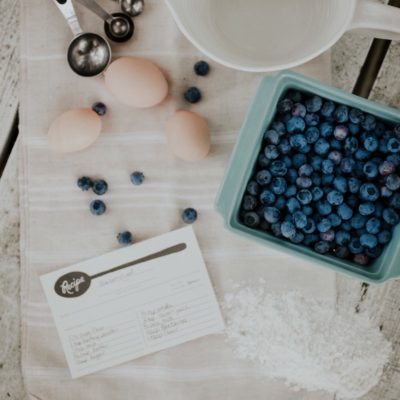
[{"x": 305, "y": 341}]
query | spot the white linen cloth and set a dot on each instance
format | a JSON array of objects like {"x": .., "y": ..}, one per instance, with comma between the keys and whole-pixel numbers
[{"x": 58, "y": 229}]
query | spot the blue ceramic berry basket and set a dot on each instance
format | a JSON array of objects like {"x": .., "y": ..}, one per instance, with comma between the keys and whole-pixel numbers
[{"x": 243, "y": 159}]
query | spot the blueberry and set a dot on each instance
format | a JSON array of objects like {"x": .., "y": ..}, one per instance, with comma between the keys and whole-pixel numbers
[
  {"x": 124, "y": 237},
  {"x": 288, "y": 230},
  {"x": 373, "y": 225},
  {"x": 276, "y": 229},
  {"x": 267, "y": 197},
  {"x": 279, "y": 126},
  {"x": 192, "y": 95},
  {"x": 279, "y": 185},
  {"x": 137, "y": 178},
  {"x": 385, "y": 192},
  {"x": 354, "y": 129},
  {"x": 251, "y": 219},
  {"x": 327, "y": 109},
  {"x": 278, "y": 168},
  {"x": 358, "y": 221},
  {"x": 326, "y": 129},
  {"x": 201, "y": 68},
  {"x": 298, "y": 142},
  {"x": 249, "y": 203},
  {"x": 292, "y": 175},
  {"x": 316, "y": 179},
  {"x": 304, "y": 196},
  {"x": 263, "y": 161},
  {"x": 189, "y": 215},
  {"x": 272, "y": 137},
  {"x": 305, "y": 170},
  {"x": 310, "y": 227},
  {"x": 100, "y": 187},
  {"x": 253, "y": 188},
  {"x": 324, "y": 208},
  {"x": 271, "y": 152},
  {"x": 335, "y": 197},
  {"x": 335, "y": 144},
  {"x": 361, "y": 259},
  {"x": 335, "y": 156},
  {"x": 327, "y": 179},
  {"x": 284, "y": 146},
  {"x": 356, "y": 116},
  {"x": 291, "y": 191},
  {"x": 393, "y": 145},
  {"x": 293, "y": 205},
  {"x": 369, "y": 122},
  {"x": 313, "y": 104},
  {"x": 371, "y": 143},
  {"x": 324, "y": 225},
  {"x": 263, "y": 177},
  {"x": 370, "y": 169},
  {"x": 374, "y": 252},
  {"x": 341, "y": 184},
  {"x": 99, "y": 108},
  {"x": 284, "y": 106},
  {"x": 395, "y": 201},
  {"x": 84, "y": 183},
  {"x": 335, "y": 220},
  {"x": 308, "y": 210},
  {"x": 300, "y": 219},
  {"x": 346, "y": 226},
  {"x": 342, "y": 252},
  {"x": 368, "y": 240},
  {"x": 97, "y": 207},
  {"x": 317, "y": 193},
  {"x": 311, "y": 119},
  {"x": 299, "y": 110},
  {"x": 355, "y": 246},
  {"x": 298, "y": 238},
  {"x": 343, "y": 238},
  {"x": 354, "y": 185},
  {"x": 328, "y": 236},
  {"x": 350, "y": 144},
  {"x": 393, "y": 182},
  {"x": 341, "y": 114},
  {"x": 316, "y": 163},
  {"x": 344, "y": 211},
  {"x": 366, "y": 208},
  {"x": 304, "y": 182},
  {"x": 369, "y": 192},
  {"x": 362, "y": 154},
  {"x": 299, "y": 159},
  {"x": 295, "y": 125},
  {"x": 321, "y": 147},
  {"x": 312, "y": 134},
  {"x": 272, "y": 214},
  {"x": 386, "y": 168},
  {"x": 394, "y": 158},
  {"x": 384, "y": 237},
  {"x": 341, "y": 132},
  {"x": 390, "y": 216},
  {"x": 327, "y": 166},
  {"x": 280, "y": 203},
  {"x": 322, "y": 247}
]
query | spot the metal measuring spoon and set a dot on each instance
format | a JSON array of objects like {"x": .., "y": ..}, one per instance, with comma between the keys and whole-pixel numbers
[
  {"x": 119, "y": 27},
  {"x": 75, "y": 284},
  {"x": 88, "y": 53}
]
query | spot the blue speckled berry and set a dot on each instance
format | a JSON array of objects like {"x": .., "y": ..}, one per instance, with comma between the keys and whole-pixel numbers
[
  {"x": 347, "y": 165},
  {"x": 280, "y": 203},
  {"x": 312, "y": 134},
  {"x": 370, "y": 169},
  {"x": 374, "y": 252},
  {"x": 369, "y": 192},
  {"x": 321, "y": 146},
  {"x": 276, "y": 229},
  {"x": 293, "y": 205},
  {"x": 344, "y": 211},
  {"x": 324, "y": 208},
  {"x": 395, "y": 201},
  {"x": 393, "y": 145},
  {"x": 278, "y": 168},
  {"x": 298, "y": 142},
  {"x": 272, "y": 214},
  {"x": 322, "y": 247},
  {"x": 393, "y": 182},
  {"x": 341, "y": 114},
  {"x": 201, "y": 68},
  {"x": 328, "y": 236},
  {"x": 271, "y": 152},
  {"x": 249, "y": 203},
  {"x": 317, "y": 193},
  {"x": 267, "y": 197},
  {"x": 299, "y": 159},
  {"x": 335, "y": 197},
  {"x": 137, "y": 178},
  {"x": 341, "y": 132},
  {"x": 369, "y": 122},
  {"x": 304, "y": 196},
  {"x": 355, "y": 246},
  {"x": 324, "y": 225},
  {"x": 300, "y": 219},
  {"x": 97, "y": 207},
  {"x": 394, "y": 158},
  {"x": 390, "y": 216},
  {"x": 358, "y": 221},
  {"x": 189, "y": 215},
  {"x": 316, "y": 179},
  {"x": 316, "y": 163},
  {"x": 284, "y": 146},
  {"x": 366, "y": 208},
  {"x": 386, "y": 168},
  {"x": 342, "y": 252},
  {"x": 263, "y": 177},
  {"x": 385, "y": 192},
  {"x": 278, "y": 185},
  {"x": 313, "y": 104},
  {"x": 284, "y": 106},
  {"x": 298, "y": 238},
  {"x": 371, "y": 143},
  {"x": 85, "y": 183},
  {"x": 304, "y": 182},
  {"x": 368, "y": 240},
  {"x": 272, "y": 137},
  {"x": 308, "y": 210},
  {"x": 124, "y": 238},
  {"x": 335, "y": 156},
  {"x": 251, "y": 219},
  {"x": 354, "y": 129},
  {"x": 352, "y": 201},
  {"x": 288, "y": 230},
  {"x": 100, "y": 187},
  {"x": 291, "y": 191},
  {"x": 335, "y": 220},
  {"x": 263, "y": 161},
  {"x": 279, "y": 126},
  {"x": 350, "y": 144},
  {"x": 295, "y": 125},
  {"x": 310, "y": 227},
  {"x": 383, "y": 146},
  {"x": 327, "y": 166},
  {"x": 327, "y": 179},
  {"x": 192, "y": 95},
  {"x": 311, "y": 119},
  {"x": 253, "y": 188},
  {"x": 99, "y": 108},
  {"x": 326, "y": 129},
  {"x": 373, "y": 225},
  {"x": 343, "y": 238},
  {"x": 341, "y": 184},
  {"x": 299, "y": 110},
  {"x": 328, "y": 108},
  {"x": 362, "y": 154},
  {"x": 306, "y": 170},
  {"x": 361, "y": 259},
  {"x": 384, "y": 237},
  {"x": 356, "y": 116}
]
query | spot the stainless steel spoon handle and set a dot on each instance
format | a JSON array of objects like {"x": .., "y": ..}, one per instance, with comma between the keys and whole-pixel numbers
[
  {"x": 94, "y": 7},
  {"x": 67, "y": 9}
]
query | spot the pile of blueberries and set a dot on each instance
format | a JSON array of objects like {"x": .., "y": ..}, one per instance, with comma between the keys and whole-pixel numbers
[{"x": 327, "y": 177}]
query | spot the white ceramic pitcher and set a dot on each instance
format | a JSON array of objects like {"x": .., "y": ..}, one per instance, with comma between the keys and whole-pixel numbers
[{"x": 270, "y": 35}]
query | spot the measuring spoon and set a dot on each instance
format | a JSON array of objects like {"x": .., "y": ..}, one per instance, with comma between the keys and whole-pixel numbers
[
  {"x": 119, "y": 27},
  {"x": 88, "y": 53},
  {"x": 75, "y": 284}
]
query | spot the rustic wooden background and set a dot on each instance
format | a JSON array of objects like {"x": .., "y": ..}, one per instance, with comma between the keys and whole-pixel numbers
[{"x": 383, "y": 302}]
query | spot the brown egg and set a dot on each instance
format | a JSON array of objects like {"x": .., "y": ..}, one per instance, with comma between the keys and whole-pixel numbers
[
  {"x": 136, "y": 82},
  {"x": 74, "y": 130},
  {"x": 188, "y": 136}
]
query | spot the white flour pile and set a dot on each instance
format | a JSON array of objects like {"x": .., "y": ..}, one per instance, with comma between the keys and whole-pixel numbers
[{"x": 305, "y": 341}]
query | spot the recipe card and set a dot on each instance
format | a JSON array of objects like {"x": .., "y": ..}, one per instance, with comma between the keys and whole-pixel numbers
[{"x": 131, "y": 302}]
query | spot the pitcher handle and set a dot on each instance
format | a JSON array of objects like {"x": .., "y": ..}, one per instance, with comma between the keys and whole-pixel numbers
[{"x": 380, "y": 20}]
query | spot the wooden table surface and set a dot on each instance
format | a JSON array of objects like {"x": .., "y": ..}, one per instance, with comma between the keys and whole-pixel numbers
[{"x": 383, "y": 301}]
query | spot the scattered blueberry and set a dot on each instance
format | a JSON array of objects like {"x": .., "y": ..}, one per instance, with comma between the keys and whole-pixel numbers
[
  {"x": 251, "y": 219},
  {"x": 393, "y": 182},
  {"x": 314, "y": 104},
  {"x": 249, "y": 203},
  {"x": 341, "y": 132},
  {"x": 263, "y": 177},
  {"x": 99, "y": 108},
  {"x": 85, "y": 183},
  {"x": 97, "y": 207},
  {"x": 137, "y": 178},
  {"x": 322, "y": 247},
  {"x": 253, "y": 188},
  {"x": 189, "y": 215},
  {"x": 288, "y": 230},
  {"x": 299, "y": 110},
  {"x": 124, "y": 237},
  {"x": 341, "y": 114},
  {"x": 201, "y": 68},
  {"x": 100, "y": 187},
  {"x": 272, "y": 137},
  {"x": 192, "y": 95}
]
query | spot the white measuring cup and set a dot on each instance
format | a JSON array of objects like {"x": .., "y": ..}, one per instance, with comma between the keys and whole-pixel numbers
[{"x": 270, "y": 35}]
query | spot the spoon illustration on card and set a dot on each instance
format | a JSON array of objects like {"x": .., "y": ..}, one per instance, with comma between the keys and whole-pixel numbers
[{"x": 76, "y": 283}]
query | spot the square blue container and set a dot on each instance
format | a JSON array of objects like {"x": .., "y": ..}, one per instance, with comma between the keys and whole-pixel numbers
[{"x": 244, "y": 156}]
